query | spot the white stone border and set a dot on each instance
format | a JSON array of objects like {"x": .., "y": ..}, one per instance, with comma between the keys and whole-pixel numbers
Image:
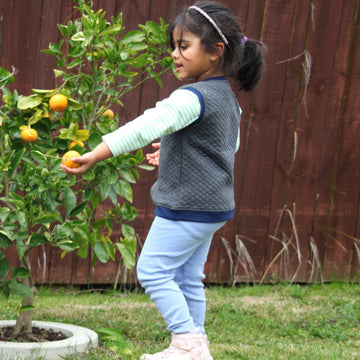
[{"x": 80, "y": 339}]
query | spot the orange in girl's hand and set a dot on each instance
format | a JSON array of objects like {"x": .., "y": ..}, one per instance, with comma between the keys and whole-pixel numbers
[{"x": 67, "y": 159}]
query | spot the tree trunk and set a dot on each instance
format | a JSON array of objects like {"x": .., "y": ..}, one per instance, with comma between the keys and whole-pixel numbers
[{"x": 23, "y": 322}]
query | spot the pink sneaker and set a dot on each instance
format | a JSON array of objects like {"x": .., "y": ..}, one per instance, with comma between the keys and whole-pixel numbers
[{"x": 183, "y": 347}]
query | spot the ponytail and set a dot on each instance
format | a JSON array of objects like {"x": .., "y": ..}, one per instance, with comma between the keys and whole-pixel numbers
[{"x": 251, "y": 66}]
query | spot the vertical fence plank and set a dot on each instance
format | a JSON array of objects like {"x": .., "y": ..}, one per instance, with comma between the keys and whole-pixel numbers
[
  {"x": 223, "y": 262},
  {"x": 340, "y": 251},
  {"x": 19, "y": 48},
  {"x": 331, "y": 139},
  {"x": 50, "y": 17},
  {"x": 313, "y": 123},
  {"x": 263, "y": 130},
  {"x": 281, "y": 261}
]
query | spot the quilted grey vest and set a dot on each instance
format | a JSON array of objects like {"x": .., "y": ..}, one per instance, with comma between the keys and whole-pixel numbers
[{"x": 196, "y": 163}]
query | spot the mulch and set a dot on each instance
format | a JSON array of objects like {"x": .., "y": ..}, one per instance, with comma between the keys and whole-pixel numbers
[{"x": 37, "y": 335}]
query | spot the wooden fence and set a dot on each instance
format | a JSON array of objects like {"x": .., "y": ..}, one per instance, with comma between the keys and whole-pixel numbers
[{"x": 298, "y": 168}]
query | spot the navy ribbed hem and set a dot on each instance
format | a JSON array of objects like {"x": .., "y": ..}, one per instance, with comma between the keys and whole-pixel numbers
[{"x": 197, "y": 216}]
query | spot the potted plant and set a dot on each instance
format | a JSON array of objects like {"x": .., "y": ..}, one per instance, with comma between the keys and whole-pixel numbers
[{"x": 97, "y": 64}]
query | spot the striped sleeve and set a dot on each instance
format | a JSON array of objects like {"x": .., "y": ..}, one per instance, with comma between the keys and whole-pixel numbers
[{"x": 181, "y": 109}]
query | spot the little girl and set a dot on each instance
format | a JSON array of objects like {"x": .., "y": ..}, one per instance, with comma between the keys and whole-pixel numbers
[{"x": 199, "y": 129}]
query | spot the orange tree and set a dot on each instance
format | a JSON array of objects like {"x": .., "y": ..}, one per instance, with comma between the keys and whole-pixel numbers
[{"x": 97, "y": 63}]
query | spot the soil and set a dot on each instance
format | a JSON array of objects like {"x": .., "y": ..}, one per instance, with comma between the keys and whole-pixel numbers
[{"x": 37, "y": 335}]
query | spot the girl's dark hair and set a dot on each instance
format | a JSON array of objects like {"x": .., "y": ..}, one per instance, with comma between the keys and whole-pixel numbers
[{"x": 243, "y": 59}]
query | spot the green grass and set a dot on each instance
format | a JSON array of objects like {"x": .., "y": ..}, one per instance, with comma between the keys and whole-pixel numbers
[{"x": 247, "y": 322}]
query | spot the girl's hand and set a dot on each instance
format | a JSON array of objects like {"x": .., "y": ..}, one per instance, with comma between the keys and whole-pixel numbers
[
  {"x": 85, "y": 161},
  {"x": 153, "y": 158},
  {"x": 101, "y": 152}
]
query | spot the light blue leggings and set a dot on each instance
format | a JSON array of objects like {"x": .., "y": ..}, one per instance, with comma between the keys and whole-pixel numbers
[{"x": 171, "y": 269}]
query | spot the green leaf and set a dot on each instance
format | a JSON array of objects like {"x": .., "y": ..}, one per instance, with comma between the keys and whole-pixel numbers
[
  {"x": 98, "y": 223},
  {"x": 5, "y": 240},
  {"x": 21, "y": 248},
  {"x": 125, "y": 190},
  {"x": 63, "y": 29},
  {"x": 62, "y": 231},
  {"x": 5, "y": 77},
  {"x": 128, "y": 212},
  {"x": 69, "y": 199},
  {"x": 83, "y": 252},
  {"x": 77, "y": 51},
  {"x": 46, "y": 93},
  {"x": 55, "y": 48},
  {"x": 29, "y": 102},
  {"x": 154, "y": 27},
  {"x": 50, "y": 52},
  {"x": 58, "y": 73},
  {"x": 82, "y": 233},
  {"x": 20, "y": 288},
  {"x": 74, "y": 63},
  {"x": 132, "y": 36},
  {"x": 79, "y": 36},
  {"x": 4, "y": 266},
  {"x": 115, "y": 29},
  {"x": 78, "y": 209},
  {"x": 101, "y": 252},
  {"x": 95, "y": 199},
  {"x": 27, "y": 308},
  {"x": 36, "y": 240},
  {"x": 127, "y": 249},
  {"x": 45, "y": 219},
  {"x": 112, "y": 178},
  {"x": 74, "y": 105},
  {"x": 18, "y": 201},
  {"x": 22, "y": 218},
  {"x": 127, "y": 175},
  {"x": 94, "y": 140},
  {"x": 20, "y": 272},
  {"x": 105, "y": 190},
  {"x": 67, "y": 245},
  {"x": 136, "y": 46},
  {"x": 140, "y": 61},
  {"x": 73, "y": 131},
  {"x": 146, "y": 167},
  {"x": 112, "y": 334},
  {"x": 128, "y": 231},
  {"x": 89, "y": 175},
  {"x": 129, "y": 74}
]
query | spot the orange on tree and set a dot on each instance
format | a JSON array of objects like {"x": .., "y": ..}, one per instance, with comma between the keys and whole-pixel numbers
[
  {"x": 76, "y": 142},
  {"x": 58, "y": 102},
  {"x": 28, "y": 134},
  {"x": 108, "y": 113},
  {"x": 67, "y": 159}
]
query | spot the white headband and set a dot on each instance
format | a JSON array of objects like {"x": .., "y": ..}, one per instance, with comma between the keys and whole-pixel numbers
[{"x": 211, "y": 21}]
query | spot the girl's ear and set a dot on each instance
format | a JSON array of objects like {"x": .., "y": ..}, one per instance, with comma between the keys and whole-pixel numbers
[{"x": 220, "y": 48}]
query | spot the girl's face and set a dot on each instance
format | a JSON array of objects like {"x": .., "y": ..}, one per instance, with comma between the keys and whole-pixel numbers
[{"x": 191, "y": 60}]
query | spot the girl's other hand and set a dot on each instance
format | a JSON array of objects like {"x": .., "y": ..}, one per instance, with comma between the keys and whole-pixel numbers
[{"x": 153, "y": 158}]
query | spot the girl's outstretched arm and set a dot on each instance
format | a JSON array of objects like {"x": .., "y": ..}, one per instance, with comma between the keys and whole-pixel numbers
[
  {"x": 153, "y": 158},
  {"x": 101, "y": 152}
]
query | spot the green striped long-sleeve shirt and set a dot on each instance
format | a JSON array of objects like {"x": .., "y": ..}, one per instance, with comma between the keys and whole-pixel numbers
[{"x": 172, "y": 114}]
